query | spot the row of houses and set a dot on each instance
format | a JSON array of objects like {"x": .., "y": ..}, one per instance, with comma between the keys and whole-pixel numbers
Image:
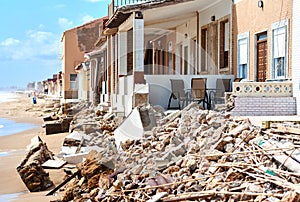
[{"x": 128, "y": 57}]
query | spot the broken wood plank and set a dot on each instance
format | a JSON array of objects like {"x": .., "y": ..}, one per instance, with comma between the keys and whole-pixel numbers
[
  {"x": 198, "y": 195},
  {"x": 63, "y": 183},
  {"x": 287, "y": 129},
  {"x": 282, "y": 158}
]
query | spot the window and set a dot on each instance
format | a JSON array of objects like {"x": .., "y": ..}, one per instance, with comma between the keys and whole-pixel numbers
[
  {"x": 243, "y": 55},
  {"x": 204, "y": 49},
  {"x": 224, "y": 44},
  {"x": 73, "y": 82},
  {"x": 279, "y": 49}
]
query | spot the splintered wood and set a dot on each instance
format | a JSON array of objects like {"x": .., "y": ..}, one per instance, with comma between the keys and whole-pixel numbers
[{"x": 194, "y": 155}]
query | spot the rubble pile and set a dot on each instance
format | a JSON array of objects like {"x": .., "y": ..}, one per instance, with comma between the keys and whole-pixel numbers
[
  {"x": 193, "y": 155},
  {"x": 30, "y": 169},
  {"x": 84, "y": 119},
  {"x": 90, "y": 120},
  {"x": 109, "y": 125},
  {"x": 58, "y": 117}
]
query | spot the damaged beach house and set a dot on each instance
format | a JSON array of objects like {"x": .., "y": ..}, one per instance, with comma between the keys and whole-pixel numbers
[
  {"x": 164, "y": 85},
  {"x": 169, "y": 53}
]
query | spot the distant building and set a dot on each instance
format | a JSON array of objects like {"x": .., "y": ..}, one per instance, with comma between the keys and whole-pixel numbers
[{"x": 76, "y": 42}]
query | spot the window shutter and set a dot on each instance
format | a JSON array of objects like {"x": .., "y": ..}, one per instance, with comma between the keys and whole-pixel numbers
[
  {"x": 243, "y": 51},
  {"x": 279, "y": 42}
]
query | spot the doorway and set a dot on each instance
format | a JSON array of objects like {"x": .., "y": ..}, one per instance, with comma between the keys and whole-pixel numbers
[{"x": 261, "y": 56}]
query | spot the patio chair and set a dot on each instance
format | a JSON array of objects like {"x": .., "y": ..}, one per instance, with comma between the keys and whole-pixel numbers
[
  {"x": 198, "y": 91},
  {"x": 218, "y": 96},
  {"x": 178, "y": 94}
]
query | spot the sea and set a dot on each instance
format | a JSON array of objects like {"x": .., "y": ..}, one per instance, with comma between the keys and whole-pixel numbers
[{"x": 8, "y": 127}]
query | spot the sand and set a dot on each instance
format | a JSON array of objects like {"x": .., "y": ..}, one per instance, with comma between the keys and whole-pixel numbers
[{"x": 22, "y": 110}]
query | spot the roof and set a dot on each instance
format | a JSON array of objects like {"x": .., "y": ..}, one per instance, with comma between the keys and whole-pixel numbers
[
  {"x": 78, "y": 67},
  {"x": 123, "y": 12}
]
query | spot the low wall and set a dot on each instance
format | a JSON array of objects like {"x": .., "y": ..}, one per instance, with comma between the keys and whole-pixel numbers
[
  {"x": 264, "y": 89},
  {"x": 264, "y": 106}
]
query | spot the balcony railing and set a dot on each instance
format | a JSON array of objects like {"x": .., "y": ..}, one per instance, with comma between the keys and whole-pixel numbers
[
  {"x": 263, "y": 89},
  {"x": 117, "y": 3}
]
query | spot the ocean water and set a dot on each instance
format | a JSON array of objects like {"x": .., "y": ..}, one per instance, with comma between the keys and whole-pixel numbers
[
  {"x": 8, "y": 127},
  {"x": 8, "y": 197},
  {"x": 7, "y": 96}
]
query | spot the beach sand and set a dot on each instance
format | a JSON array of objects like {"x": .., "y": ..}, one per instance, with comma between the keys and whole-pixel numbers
[{"x": 22, "y": 110}]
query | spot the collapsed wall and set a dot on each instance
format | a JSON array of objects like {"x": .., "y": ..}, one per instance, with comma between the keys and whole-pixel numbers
[{"x": 192, "y": 154}]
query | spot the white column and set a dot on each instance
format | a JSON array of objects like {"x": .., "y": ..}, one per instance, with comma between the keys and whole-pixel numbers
[
  {"x": 296, "y": 53},
  {"x": 122, "y": 53},
  {"x": 138, "y": 42}
]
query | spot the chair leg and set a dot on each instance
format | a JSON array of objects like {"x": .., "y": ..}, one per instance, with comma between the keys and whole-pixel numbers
[{"x": 170, "y": 101}]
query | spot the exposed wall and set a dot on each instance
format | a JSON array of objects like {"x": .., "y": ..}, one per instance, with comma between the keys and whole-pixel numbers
[
  {"x": 220, "y": 11},
  {"x": 248, "y": 17},
  {"x": 71, "y": 57},
  {"x": 76, "y": 42}
]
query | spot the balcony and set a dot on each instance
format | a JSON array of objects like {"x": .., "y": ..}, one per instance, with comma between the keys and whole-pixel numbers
[{"x": 117, "y": 3}]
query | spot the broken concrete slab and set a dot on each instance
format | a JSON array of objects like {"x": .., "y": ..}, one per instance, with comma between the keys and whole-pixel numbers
[
  {"x": 57, "y": 163},
  {"x": 131, "y": 128},
  {"x": 75, "y": 158}
]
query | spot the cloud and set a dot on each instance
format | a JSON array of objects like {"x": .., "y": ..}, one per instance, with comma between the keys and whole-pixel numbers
[
  {"x": 87, "y": 18},
  {"x": 9, "y": 42},
  {"x": 36, "y": 46},
  {"x": 65, "y": 23},
  {"x": 41, "y": 26}
]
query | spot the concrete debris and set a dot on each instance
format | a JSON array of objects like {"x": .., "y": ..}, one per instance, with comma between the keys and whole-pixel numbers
[
  {"x": 30, "y": 169},
  {"x": 58, "y": 117},
  {"x": 54, "y": 163},
  {"x": 141, "y": 119},
  {"x": 191, "y": 155},
  {"x": 230, "y": 102}
]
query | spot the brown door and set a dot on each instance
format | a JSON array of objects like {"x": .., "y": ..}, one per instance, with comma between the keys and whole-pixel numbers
[{"x": 262, "y": 48}]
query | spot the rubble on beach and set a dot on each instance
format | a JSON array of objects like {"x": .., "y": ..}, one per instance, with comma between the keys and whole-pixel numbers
[
  {"x": 31, "y": 170},
  {"x": 193, "y": 154},
  {"x": 189, "y": 154}
]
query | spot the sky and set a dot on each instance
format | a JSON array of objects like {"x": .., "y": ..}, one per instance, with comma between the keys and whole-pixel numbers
[{"x": 30, "y": 36}]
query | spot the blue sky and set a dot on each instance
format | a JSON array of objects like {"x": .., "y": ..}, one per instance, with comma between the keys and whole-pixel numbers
[{"x": 30, "y": 35}]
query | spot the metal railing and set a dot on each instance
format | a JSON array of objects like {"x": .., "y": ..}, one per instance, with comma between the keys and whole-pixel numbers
[{"x": 117, "y": 3}]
